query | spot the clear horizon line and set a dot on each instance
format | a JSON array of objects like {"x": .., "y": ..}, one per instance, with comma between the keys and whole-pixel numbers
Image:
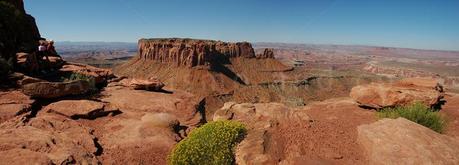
[{"x": 298, "y": 43}]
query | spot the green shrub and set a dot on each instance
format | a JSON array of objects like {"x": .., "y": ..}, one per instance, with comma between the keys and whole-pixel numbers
[
  {"x": 76, "y": 76},
  {"x": 418, "y": 113},
  {"x": 213, "y": 143}
]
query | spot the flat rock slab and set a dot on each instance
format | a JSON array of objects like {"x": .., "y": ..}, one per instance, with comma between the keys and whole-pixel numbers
[
  {"x": 400, "y": 141},
  {"x": 76, "y": 109}
]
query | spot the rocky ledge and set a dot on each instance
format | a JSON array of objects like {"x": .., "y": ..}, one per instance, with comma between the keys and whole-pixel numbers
[{"x": 193, "y": 52}]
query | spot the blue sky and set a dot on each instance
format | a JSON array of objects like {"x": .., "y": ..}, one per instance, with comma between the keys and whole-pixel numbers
[{"x": 432, "y": 24}]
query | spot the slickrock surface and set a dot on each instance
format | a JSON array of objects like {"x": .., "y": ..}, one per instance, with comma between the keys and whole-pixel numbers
[
  {"x": 400, "y": 141},
  {"x": 13, "y": 104},
  {"x": 380, "y": 95},
  {"x": 191, "y": 52},
  {"x": 47, "y": 139}
]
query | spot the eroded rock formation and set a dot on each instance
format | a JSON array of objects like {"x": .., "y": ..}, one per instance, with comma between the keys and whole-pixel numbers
[
  {"x": 268, "y": 53},
  {"x": 407, "y": 91},
  {"x": 191, "y": 52}
]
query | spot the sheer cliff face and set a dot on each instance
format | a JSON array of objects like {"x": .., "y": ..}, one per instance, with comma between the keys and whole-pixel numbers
[
  {"x": 190, "y": 52},
  {"x": 19, "y": 32}
]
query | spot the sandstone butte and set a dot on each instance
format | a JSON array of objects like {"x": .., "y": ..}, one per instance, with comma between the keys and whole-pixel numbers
[
  {"x": 203, "y": 67},
  {"x": 191, "y": 52}
]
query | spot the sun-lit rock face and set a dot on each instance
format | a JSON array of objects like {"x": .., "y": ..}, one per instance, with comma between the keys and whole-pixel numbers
[{"x": 192, "y": 52}]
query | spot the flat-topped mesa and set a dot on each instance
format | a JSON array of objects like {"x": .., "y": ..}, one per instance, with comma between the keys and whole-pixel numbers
[{"x": 192, "y": 52}]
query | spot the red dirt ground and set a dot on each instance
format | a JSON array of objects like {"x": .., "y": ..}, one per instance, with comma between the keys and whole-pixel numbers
[
  {"x": 332, "y": 136},
  {"x": 451, "y": 111}
]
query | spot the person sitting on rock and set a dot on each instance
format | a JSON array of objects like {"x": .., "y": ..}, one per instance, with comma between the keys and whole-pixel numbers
[
  {"x": 51, "y": 50},
  {"x": 42, "y": 51}
]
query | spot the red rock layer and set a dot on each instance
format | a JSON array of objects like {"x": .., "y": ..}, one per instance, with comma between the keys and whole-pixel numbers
[{"x": 191, "y": 52}]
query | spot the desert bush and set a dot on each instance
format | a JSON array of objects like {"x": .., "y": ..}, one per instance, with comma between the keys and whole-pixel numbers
[
  {"x": 213, "y": 143},
  {"x": 76, "y": 76},
  {"x": 418, "y": 113}
]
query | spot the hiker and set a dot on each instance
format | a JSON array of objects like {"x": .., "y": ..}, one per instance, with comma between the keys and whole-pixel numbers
[
  {"x": 41, "y": 51},
  {"x": 51, "y": 50}
]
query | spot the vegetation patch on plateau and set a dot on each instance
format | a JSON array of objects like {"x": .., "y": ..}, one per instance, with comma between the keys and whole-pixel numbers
[
  {"x": 213, "y": 143},
  {"x": 418, "y": 113}
]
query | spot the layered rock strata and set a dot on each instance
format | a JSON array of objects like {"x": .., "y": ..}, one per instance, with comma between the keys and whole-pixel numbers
[{"x": 191, "y": 52}]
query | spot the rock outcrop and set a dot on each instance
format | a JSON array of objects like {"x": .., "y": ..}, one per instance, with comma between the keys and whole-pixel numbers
[
  {"x": 184, "y": 106},
  {"x": 19, "y": 30},
  {"x": 151, "y": 84},
  {"x": 47, "y": 139},
  {"x": 400, "y": 141},
  {"x": 80, "y": 109},
  {"x": 191, "y": 52},
  {"x": 381, "y": 95},
  {"x": 50, "y": 90},
  {"x": 268, "y": 53},
  {"x": 100, "y": 75},
  {"x": 13, "y": 104},
  {"x": 28, "y": 63}
]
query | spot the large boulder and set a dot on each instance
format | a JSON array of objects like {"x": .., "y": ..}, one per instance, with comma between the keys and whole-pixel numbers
[
  {"x": 140, "y": 84},
  {"x": 100, "y": 75},
  {"x": 408, "y": 91},
  {"x": 14, "y": 104},
  {"x": 49, "y": 90},
  {"x": 400, "y": 141}
]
